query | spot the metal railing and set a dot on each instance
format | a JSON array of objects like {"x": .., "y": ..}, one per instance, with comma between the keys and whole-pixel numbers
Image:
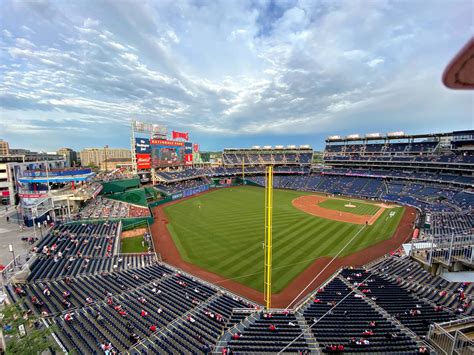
[{"x": 454, "y": 342}]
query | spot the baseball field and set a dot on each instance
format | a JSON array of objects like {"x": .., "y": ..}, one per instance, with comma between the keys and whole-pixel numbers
[{"x": 222, "y": 231}]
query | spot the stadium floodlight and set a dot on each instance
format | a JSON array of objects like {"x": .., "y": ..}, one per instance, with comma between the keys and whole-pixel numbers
[
  {"x": 353, "y": 136},
  {"x": 334, "y": 138},
  {"x": 372, "y": 135}
]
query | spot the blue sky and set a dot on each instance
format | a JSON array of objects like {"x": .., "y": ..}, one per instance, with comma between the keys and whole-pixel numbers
[{"x": 231, "y": 73}]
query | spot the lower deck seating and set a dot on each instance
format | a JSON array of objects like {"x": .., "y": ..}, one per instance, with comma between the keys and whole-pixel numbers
[
  {"x": 258, "y": 337},
  {"x": 403, "y": 305},
  {"x": 346, "y": 324}
]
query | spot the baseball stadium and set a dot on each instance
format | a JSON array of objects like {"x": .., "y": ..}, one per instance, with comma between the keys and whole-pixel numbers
[
  {"x": 265, "y": 251},
  {"x": 357, "y": 244}
]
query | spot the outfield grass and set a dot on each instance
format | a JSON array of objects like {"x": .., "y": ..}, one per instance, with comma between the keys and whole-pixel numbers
[
  {"x": 360, "y": 209},
  {"x": 222, "y": 231},
  {"x": 133, "y": 245}
]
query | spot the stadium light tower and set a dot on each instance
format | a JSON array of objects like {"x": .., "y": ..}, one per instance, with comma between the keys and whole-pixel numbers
[{"x": 267, "y": 282}]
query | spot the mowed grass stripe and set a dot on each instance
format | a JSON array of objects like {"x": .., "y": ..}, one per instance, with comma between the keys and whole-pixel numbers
[{"x": 225, "y": 234}]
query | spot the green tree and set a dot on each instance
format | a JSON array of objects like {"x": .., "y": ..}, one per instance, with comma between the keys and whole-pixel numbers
[{"x": 37, "y": 337}]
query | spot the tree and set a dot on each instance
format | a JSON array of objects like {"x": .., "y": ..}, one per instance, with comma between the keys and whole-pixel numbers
[{"x": 36, "y": 337}]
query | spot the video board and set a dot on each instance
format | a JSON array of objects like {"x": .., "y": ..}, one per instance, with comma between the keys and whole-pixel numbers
[{"x": 166, "y": 153}]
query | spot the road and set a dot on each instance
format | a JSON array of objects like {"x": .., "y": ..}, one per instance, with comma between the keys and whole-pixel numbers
[{"x": 10, "y": 234}]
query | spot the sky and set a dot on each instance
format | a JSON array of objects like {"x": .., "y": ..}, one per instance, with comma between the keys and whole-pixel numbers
[{"x": 232, "y": 73}]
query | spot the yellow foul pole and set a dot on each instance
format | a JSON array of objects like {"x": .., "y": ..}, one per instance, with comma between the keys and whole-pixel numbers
[{"x": 268, "y": 237}]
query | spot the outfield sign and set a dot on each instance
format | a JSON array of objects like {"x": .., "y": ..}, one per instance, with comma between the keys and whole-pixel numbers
[{"x": 189, "y": 192}]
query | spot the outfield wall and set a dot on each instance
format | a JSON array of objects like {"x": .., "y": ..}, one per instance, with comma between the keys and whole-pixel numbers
[
  {"x": 182, "y": 194},
  {"x": 189, "y": 192}
]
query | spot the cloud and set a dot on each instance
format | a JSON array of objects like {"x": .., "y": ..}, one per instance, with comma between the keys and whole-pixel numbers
[
  {"x": 374, "y": 62},
  {"x": 245, "y": 69}
]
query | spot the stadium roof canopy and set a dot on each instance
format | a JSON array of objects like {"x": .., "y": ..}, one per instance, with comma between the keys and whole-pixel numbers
[
  {"x": 57, "y": 176},
  {"x": 387, "y": 136},
  {"x": 277, "y": 147}
]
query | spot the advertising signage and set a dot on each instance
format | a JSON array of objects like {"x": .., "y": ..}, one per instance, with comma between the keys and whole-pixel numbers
[
  {"x": 166, "y": 142},
  {"x": 143, "y": 161},
  {"x": 188, "y": 148},
  {"x": 142, "y": 146}
]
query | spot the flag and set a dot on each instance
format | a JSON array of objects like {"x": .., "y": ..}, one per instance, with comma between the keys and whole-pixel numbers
[{"x": 180, "y": 135}]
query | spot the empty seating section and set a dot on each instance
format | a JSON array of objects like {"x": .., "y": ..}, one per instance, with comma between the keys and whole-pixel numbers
[
  {"x": 262, "y": 157},
  {"x": 79, "y": 240},
  {"x": 132, "y": 302},
  {"x": 270, "y": 333},
  {"x": 43, "y": 268},
  {"x": 464, "y": 199},
  {"x": 199, "y": 330},
  {"x": 426, "y": 197},
  {"x": 109, "y": 307},
  {"x": 396, "y": 152},
  {"x": 407, "y": 308},
  {"x": 346, "y": 323},
  {"x": 409, "y": 274},
  {"x": 451, "y": 223},
  {"x": 404, "y": 175}
]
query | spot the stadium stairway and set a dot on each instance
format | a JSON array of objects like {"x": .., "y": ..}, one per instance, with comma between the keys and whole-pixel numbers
[
  {"x": 246, "y": 321},
  {"x": 313, "y": 344}
]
